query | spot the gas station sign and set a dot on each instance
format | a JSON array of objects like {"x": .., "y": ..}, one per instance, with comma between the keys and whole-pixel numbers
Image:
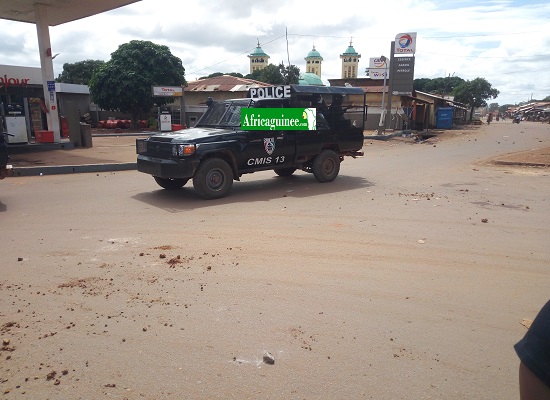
[
  {"x": 379, "y": 68},
  {"x": 402, "y": 72},
  {"x": 167, "y": 91},
  {"x": 19, "y": 76},
  {"x": 405, "y": 43}
]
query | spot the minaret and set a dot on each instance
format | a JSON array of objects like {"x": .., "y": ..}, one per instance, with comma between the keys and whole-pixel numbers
[
  {"x": 258, "y": 59},
  {"x": 313, "y": 62},
  {"x": 350, "y": 62}
]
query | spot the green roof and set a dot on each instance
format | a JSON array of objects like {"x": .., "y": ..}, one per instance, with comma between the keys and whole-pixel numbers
[
  {"x": 314, "y": 54},
  {"x": 350, "y": 51},
  {"x": 258, "y": 52},
  {"x": 309, "y": 78}
]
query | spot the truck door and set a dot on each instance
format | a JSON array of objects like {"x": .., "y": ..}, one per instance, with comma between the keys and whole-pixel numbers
[{"x": 269, "y": 149}]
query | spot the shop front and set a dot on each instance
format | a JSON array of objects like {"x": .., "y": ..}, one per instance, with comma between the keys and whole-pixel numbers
[
  {"x": 22, "y": 108},
  {"x": 23, "y": 111}
]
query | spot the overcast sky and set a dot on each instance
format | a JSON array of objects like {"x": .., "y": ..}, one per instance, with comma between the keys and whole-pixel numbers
[{"x": 505, "y": 42}]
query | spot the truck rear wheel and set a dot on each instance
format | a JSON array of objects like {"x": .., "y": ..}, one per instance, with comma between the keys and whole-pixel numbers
[
  {"x": 213, "y": 179},
  {"x": 326, "y": 166},
  {"x": 170, "y": 184},
  {"x": 284, "y": 171}
]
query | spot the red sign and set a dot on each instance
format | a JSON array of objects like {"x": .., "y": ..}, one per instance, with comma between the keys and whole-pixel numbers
[{"x": 5, "y": 81}]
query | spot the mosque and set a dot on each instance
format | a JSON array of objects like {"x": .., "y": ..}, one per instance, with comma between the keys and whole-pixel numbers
[{"x": 313, "y": 74}]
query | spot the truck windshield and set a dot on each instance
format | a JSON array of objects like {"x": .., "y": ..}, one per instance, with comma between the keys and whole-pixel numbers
[{"x": 224, "y": 114}]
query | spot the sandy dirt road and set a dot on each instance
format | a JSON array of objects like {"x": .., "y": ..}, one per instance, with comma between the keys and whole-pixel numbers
[{"x": 406, "y": 278}]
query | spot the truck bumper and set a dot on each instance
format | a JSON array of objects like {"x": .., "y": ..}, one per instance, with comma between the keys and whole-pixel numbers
[{"x": 163, "y": 168}]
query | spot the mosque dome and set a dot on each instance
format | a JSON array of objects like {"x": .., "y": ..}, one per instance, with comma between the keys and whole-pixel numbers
[{"x": 309, "y": 78}]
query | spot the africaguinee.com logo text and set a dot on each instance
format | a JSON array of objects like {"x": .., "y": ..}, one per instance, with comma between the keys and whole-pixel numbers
[{"x": 281, "y": 119}]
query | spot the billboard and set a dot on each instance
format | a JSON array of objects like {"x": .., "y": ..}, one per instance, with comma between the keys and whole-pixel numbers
[
  {"x": 11, "y": 75},
  {"x": 167, "y": 91},
  {"x": 403, "y": 75},
  {"x": 378, "y": 68},
  {"x": 405, "y": 44}
]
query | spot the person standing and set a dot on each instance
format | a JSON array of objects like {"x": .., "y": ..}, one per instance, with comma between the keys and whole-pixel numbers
[{"x": 533, "y": 351}]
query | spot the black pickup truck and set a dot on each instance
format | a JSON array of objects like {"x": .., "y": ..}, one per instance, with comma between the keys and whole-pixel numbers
[{"x": 257, "y": 133}]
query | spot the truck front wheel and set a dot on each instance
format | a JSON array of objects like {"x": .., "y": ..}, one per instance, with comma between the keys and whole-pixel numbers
[
  {"x": 213, "y": 179},
  {"x": 170, "y": 184},
  {"x": 326, "y": 166}
]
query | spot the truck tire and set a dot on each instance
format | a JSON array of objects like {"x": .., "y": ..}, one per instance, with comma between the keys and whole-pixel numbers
[
  {"x": 326, "y": 166},
  {"x": 284, "y": 171},
  {"x": 170, "y": 184},
  {"x": 213, "y": 178}
]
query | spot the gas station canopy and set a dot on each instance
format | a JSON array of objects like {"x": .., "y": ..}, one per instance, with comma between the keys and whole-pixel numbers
[
  {"x": 46, "y": 13},
  {"x": 59, "y": 11}
]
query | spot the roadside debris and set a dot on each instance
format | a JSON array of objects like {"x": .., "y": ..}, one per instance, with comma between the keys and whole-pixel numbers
[{"x": 268, "y": 358}]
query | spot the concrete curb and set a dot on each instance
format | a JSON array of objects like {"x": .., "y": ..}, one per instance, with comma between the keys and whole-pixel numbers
[
  {"x": 65, "y": 144},
  {"x": 72, "y": 169}
]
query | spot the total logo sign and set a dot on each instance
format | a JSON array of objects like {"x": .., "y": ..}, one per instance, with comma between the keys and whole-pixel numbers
[{"x": 405, "y": 43}]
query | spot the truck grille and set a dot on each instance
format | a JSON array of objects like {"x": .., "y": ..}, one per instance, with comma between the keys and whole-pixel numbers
[{"x": 159, "y": 149}]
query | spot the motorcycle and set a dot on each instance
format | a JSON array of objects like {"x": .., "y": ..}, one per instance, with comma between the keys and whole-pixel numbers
[
  {"x": 516, "y": 119},
  {"x": 5, "y": 168}
]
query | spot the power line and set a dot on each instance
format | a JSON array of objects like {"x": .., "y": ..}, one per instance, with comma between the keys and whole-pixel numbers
[
  {"x": 424, "y": 37},
  {"x": 463, "y": 56},
  {"x": 236, "y": 55},
  {"x": 479, "y": 35},
  {"x": 370, "y": 38},
  {"x": 517, "y": 72}
]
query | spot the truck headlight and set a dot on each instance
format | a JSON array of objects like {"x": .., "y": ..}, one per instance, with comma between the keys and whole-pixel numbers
[
  {"x": 141, "y": 146},
  {"x": 180, "y": 150}
]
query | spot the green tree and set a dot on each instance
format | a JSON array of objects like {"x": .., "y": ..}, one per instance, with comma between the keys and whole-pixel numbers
[
  {"x": 79, "y": 72},
  {"x": 291, "y": 74},
  {"x": 440, "y": 86},
  {"x": 421, "y": 84},
  {"x": 475, "y": 93},
  {"x": 215, "y": 74},
  {"x": 493, "y": 107},
  {"x": 270, "y": 74},
  {"x": 124, "y": 82}
]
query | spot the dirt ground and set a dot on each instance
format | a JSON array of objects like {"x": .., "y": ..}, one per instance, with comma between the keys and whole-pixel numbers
[
  {"x": 538, "y": 157},
  {"x": 390, "y": 283}
]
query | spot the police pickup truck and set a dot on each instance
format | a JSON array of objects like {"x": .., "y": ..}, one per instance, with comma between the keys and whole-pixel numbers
[{"x": 280, "y": 128}]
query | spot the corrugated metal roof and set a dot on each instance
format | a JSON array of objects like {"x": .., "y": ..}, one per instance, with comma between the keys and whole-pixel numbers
[{"x": 223, "y": 83}]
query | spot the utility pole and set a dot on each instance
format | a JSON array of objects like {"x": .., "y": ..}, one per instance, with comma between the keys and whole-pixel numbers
[
  {"x": 387, "y": 123},
  {"x": 382, "y": 107}
]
